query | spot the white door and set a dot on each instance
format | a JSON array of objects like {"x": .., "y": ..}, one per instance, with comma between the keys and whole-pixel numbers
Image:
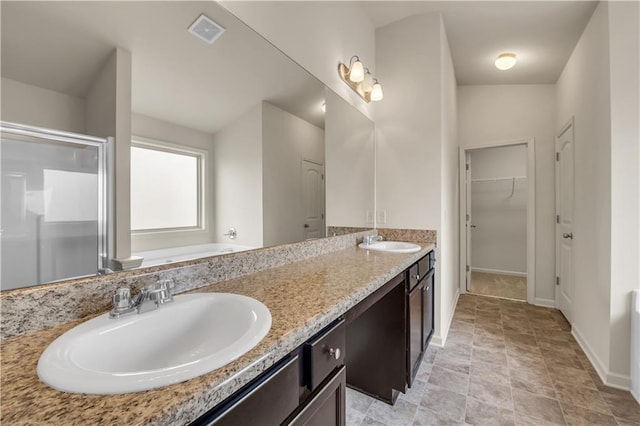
[
  {"x": 564, "y": 222},
  {"x": 468, "y": 225},
  {"x": 313, "y": 200}
]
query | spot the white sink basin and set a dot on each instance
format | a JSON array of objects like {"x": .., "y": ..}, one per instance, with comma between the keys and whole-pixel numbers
[
  {"x": 391, "y": 246},
  {"x": 195, "y": 334}
]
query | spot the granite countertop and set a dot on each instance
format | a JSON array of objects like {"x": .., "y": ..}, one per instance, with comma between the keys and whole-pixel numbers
[{"x": 303, "y": 297}]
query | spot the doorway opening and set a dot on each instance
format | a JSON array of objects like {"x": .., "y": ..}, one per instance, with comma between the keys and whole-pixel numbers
[{"x": 497, "y": 226}]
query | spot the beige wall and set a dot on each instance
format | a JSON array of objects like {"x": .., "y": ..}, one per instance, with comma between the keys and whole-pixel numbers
[
  {"x": 583, "y": 92},
  {"x": 499, "y": 240},
  {"x": 624, "y": 49},
  {"x": 509, "y": 112},
  {"x": 26, "y": 104},
  {"x": 237, "y": 177},
  {"x": 599, "y": 88},
  {"x": 416, "y": 144},
  {"x": 108, "y": 114},
  {"x": 318, "y": 35},
  {"x": 286, "y": 141},
  {"x": 448, "y": 235},
  {"x": 350, "y": 174}
]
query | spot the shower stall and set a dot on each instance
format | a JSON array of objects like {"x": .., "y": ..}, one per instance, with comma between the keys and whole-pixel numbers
[{"x": 55, "y": 201}]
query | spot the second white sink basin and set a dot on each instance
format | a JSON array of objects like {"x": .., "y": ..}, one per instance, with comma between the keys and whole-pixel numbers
[
  {"x": 391, "y": 246},
  {"x": 194, "y": 335}
]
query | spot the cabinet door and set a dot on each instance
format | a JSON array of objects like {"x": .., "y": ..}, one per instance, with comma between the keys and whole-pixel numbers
[
  {"x": 327, "y": 407},
  {"x": 428, "y": 308},
  {"x": 415, "y": 331},
  {"x": 269, "y": 401}
]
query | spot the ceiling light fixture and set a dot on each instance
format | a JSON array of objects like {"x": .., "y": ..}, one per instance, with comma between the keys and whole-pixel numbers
[
  {"x": 506, "y": 61},
  {"x": 360, "y": 80}
]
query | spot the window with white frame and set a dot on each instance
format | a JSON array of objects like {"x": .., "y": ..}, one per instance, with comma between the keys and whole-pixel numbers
[{"x": 167, "y": 187}]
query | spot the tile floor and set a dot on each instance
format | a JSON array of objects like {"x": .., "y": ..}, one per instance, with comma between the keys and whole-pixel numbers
[
  {"x": 499, "y": 285},
  {"x": 505, "y": 363}
]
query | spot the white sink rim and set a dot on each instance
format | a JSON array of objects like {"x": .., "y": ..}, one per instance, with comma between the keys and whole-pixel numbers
[
  {"x": 59, "y": 368},
  {"x": 392, "y": 247}
]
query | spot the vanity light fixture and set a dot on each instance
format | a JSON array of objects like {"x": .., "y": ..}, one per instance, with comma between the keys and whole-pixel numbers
[
  {"x": 376, "y": 91},
  {"x": 360, "y": 80},
  {"x": 506, "y": 61}
]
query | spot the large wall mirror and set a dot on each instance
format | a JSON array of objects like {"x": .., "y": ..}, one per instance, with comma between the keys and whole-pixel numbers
[{"x": 219, "y": 147}]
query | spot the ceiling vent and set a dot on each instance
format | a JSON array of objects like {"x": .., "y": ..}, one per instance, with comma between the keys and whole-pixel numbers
[{"x": 205, "y": 29}]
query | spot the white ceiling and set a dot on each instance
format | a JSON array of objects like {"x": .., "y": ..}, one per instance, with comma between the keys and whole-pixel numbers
[
  {"x": 176, "y": 77},
  {"x": 542, "y": 33}
]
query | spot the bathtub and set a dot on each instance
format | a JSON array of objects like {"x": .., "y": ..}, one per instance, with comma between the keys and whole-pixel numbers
[{"x": 179, "y": 254}]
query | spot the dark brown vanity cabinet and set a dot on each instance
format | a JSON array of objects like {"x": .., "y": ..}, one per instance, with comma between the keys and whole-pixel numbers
[
  {"x": 376, "y": 342},
  {"x": 420, "y": 315},
  {"x": 307, "y": 387}
]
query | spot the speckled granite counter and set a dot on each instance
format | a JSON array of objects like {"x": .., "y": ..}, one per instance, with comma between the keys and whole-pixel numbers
[{"x": 303, "y": 297}]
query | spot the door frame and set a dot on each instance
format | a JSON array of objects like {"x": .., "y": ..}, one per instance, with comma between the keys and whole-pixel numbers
[{"x": 531, "y": 209}]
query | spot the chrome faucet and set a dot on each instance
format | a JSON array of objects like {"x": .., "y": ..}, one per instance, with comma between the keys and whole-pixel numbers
[
  {"x": 370, "y": 239},
  {"x": 149, "y": 298}
]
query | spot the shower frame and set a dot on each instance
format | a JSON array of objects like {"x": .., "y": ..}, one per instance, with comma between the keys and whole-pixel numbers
[{"x": 104, "y": 148}]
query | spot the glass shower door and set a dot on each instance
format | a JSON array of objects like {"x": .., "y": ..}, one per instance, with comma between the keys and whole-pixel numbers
[{"x": 54, "y": 205}]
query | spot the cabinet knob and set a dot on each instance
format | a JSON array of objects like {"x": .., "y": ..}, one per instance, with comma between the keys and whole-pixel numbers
[
  {"x": 417, "y": 277},
  {"x": 334, "y": 353}
]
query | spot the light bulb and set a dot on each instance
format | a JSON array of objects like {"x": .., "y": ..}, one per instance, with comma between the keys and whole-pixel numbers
[
  {"x": 376, "y": 92},
  {"x": 367, "y": 83},
  {"x": 356, "y": 73},
  {"x": 506, "y": 61}
]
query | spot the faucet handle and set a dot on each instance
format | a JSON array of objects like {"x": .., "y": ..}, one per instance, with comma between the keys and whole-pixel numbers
[
  {"x": 163, "y": 290},
  {"x": 122, "y": 298},
  {"x": 164, "y": 285}
]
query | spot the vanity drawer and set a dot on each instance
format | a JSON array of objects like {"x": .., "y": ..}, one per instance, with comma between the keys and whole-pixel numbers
[{"x": 324, "y": 353}]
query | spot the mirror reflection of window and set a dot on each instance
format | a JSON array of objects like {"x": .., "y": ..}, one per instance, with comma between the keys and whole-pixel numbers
[{"x": 166, "y": 187}]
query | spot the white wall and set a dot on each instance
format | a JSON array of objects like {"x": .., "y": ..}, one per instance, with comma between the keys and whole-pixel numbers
[
  {"x": 26, "y": 104},
  {"x": 237, "y": 177},
  {"x": 163, "y": 131},
  {"x": 624, "y": 48},
  {"x": 316, "y": 34},
  {"x": 499, "y": 240},
  {"x": 108, "y": 114},
  {"x": 286, "y": 141},
  {"x": 509, "y": 112},
  {"x": 416, "y": 144},
  {"x": 349, "y": 145}
]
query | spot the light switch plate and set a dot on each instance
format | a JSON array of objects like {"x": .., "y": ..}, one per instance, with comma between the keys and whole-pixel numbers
[
  {"x": 370, "y": 216},
  {"x": 381, "y": 216}
]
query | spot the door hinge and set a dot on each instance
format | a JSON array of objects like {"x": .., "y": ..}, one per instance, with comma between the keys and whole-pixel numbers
[
  {"x": 468, "y": 269},
  {"x": 557, "y": 280},
  {"x": 322, "y": 216},
  {"x": 557, "y": 218},
  {"x": 467, "y": 217},
  {"x": 466, "y": 166},
  {"x": 557, "y": 156},
  {"x": 322, "y": 176}
]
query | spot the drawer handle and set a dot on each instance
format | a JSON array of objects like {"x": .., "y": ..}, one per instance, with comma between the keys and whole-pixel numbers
[
  {"x": 417, "y": 277},
  {"x": 334, "y": 353}
]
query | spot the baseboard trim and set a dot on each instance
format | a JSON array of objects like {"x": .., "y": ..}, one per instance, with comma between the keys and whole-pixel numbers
[
  {"x": 499, "y": 271},
  {"x": 613, "y": 380},
  {"x": 441, "y": 340},
  {"x": 547, "y": 303},
  {"x": 636, "y": 395}
]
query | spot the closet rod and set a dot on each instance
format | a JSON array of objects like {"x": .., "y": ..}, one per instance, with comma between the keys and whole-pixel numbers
[{"x": 497, "y": 179}]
